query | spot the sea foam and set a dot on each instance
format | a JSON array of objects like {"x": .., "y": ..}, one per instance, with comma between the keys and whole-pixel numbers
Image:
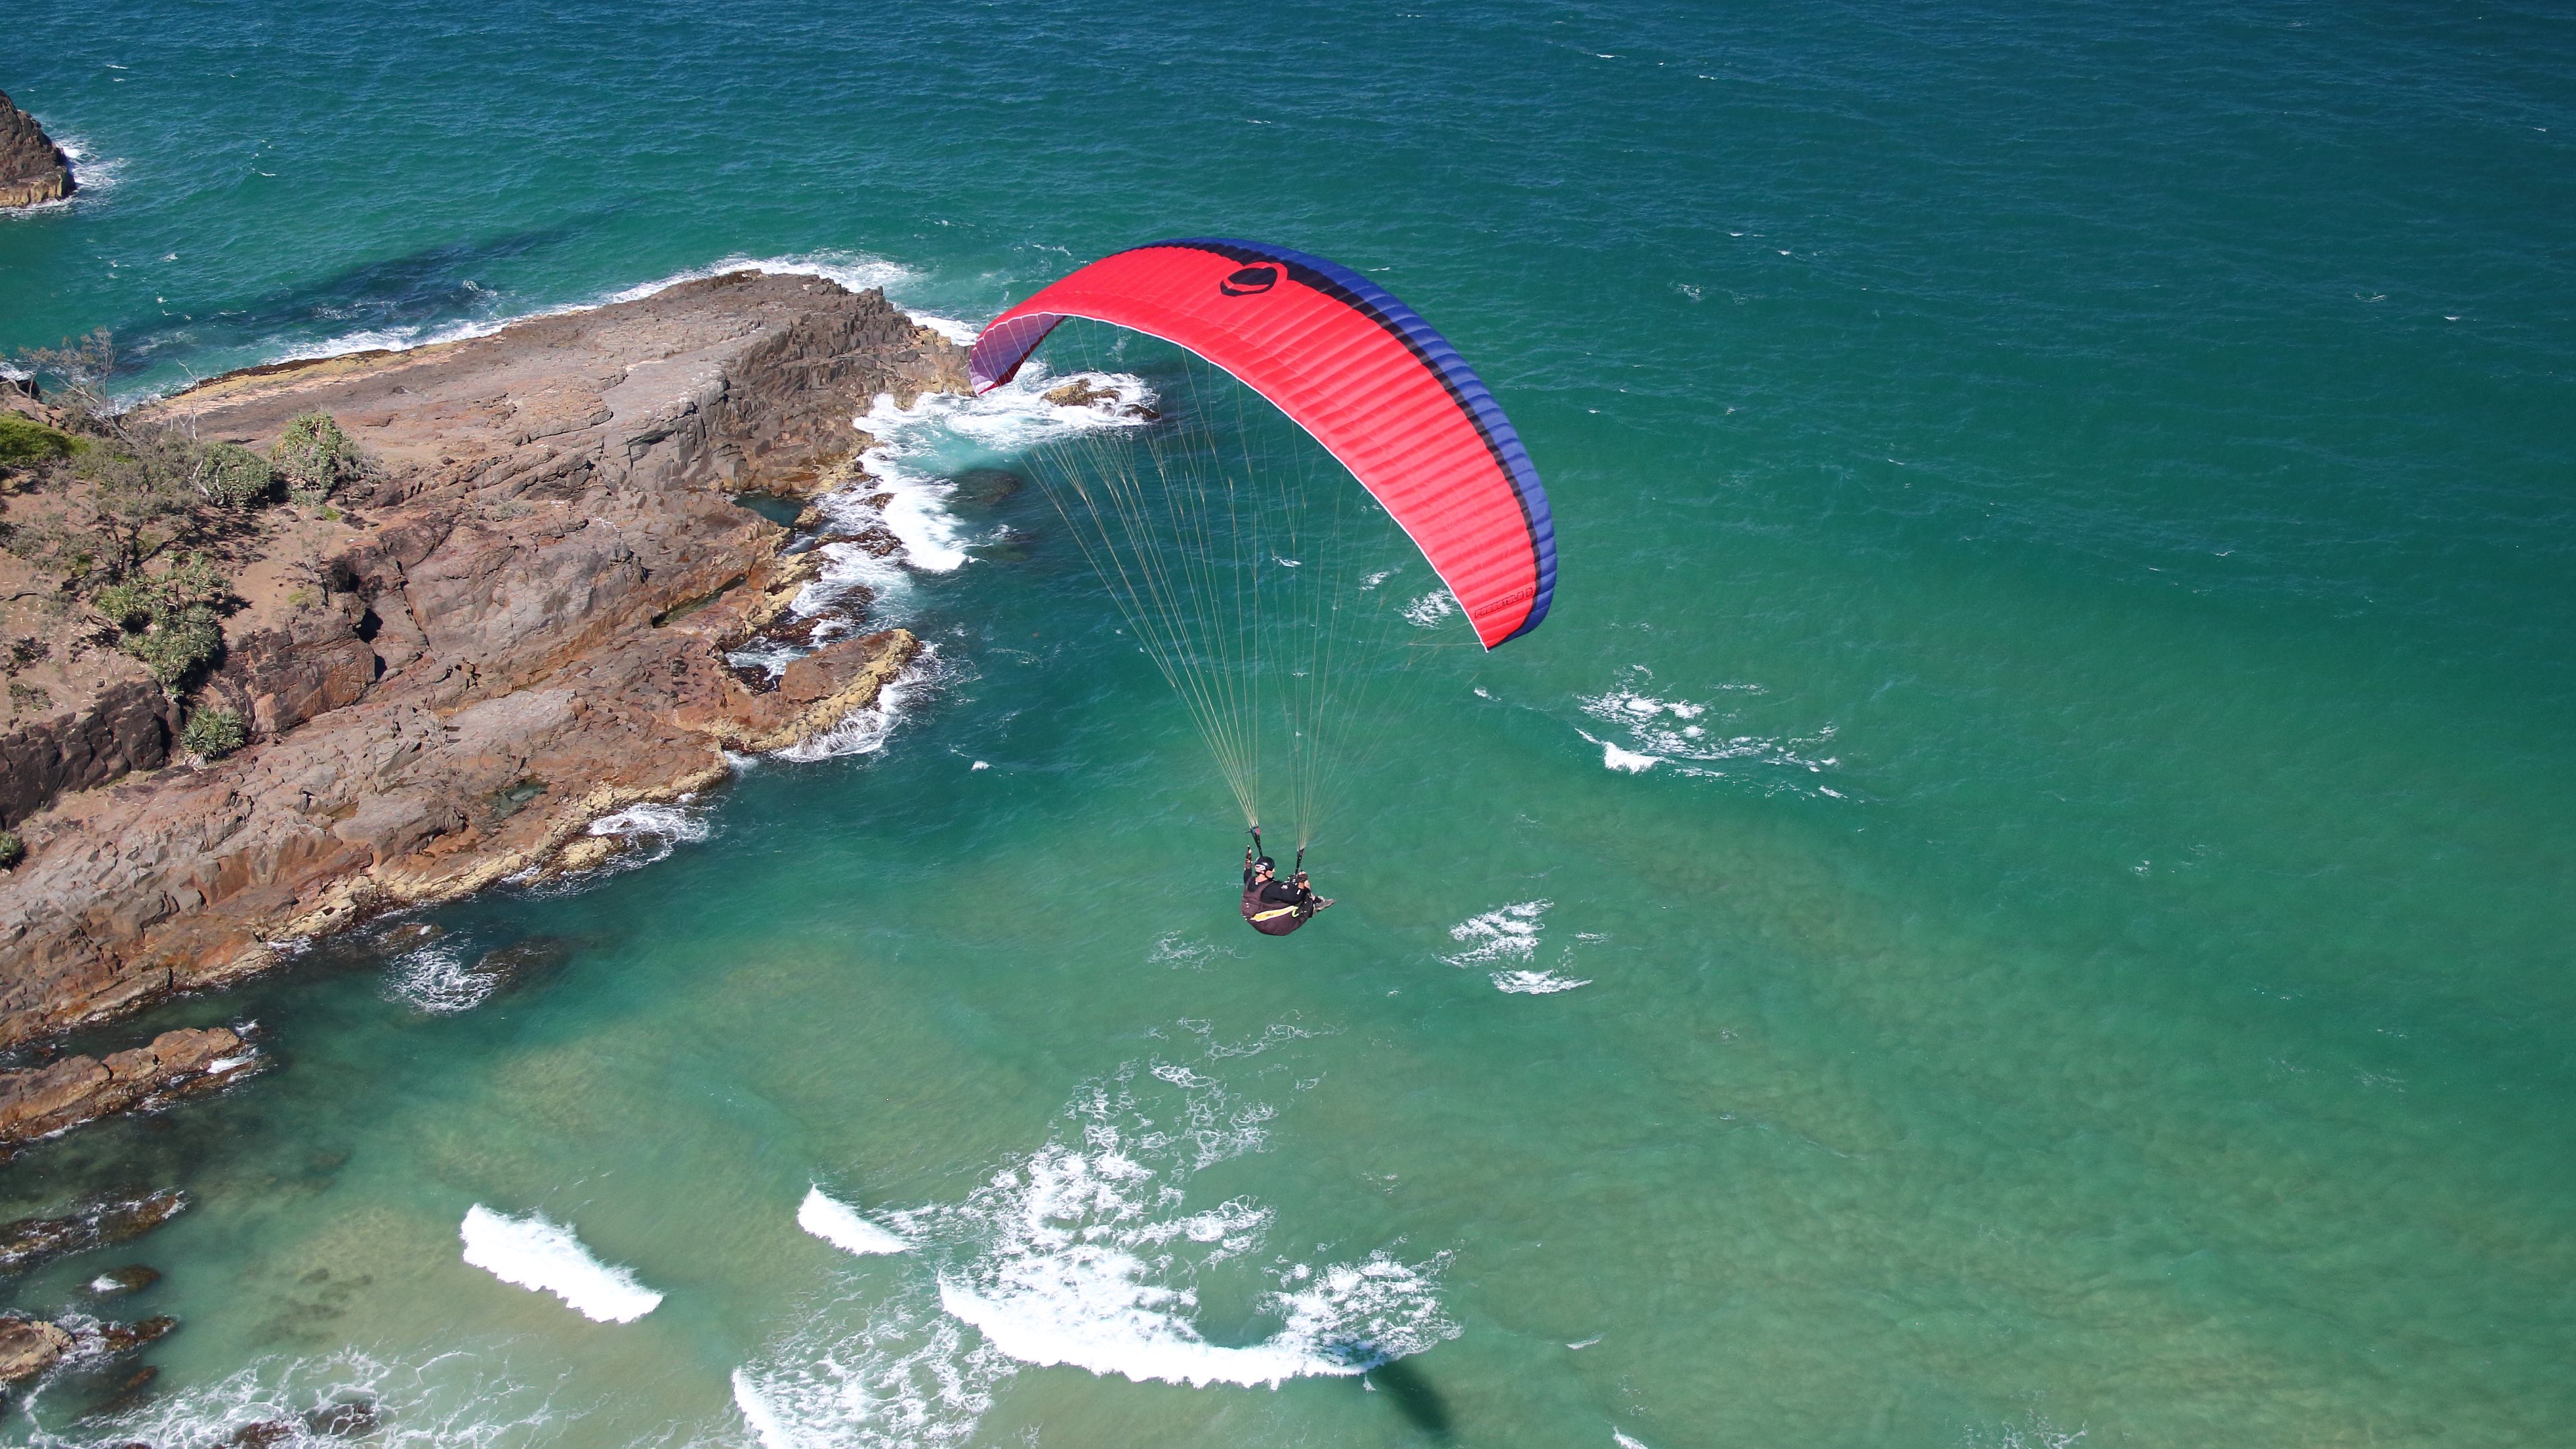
[
  {"x": 537, "y": 1253},
  {"x": 1506, "y": 933},
  {"x": 1691, "y": 736},
  {"x": 1534, "y": 983},
  {"x": 1084, "y": 1253},
  {"x": 840, "y": 1225}
]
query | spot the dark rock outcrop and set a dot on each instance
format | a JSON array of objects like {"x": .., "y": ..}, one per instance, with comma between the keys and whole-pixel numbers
[
  {"x": 29, "y": 1241},
  {"x": 120, "y": 1338},
  {"x": 128, "y": 727},
  {"x": 132, "y": 1278},
  {"x": 33, "y": 170},
  {"x": 69, "y": 1092},
  {"x": 317, "y": 660},
  {"x": 539, "y": 582}
]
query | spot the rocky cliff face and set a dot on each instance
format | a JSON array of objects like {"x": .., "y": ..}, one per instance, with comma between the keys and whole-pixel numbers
[
  {"x": 126, "y": 727},
  {"x": 33, "y": 169},
  {"x": 520, "y": 625}
]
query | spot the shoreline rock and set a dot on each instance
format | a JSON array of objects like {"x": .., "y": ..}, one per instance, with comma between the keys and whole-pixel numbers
[
  {"x": 29, "y": 1346},
  {"x": 33, "y": 170},
  {"x": 64, "y": 1094},
  {"x": 519, "y": 623}
]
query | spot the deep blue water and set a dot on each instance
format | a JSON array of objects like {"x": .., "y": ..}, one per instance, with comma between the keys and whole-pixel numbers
[{"x": 2098, "y": 479}]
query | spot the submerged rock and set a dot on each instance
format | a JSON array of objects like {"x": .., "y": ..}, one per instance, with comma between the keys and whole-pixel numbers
[
  {"x": 127, "y": 1392},
  {"x": 522, "y": 962},
  {"x": 132, "y": 1278},
  {"x": 33, "y": 170},
  {"x": 114, "y": 1338},
  {"x": 30, "y": 1241},
  {"x": 343, "y": 1419},
  {"x": 28, "y": 1347}
]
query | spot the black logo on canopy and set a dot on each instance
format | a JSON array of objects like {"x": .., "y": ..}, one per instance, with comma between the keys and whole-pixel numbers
[{"x": 1249, "y": 281}]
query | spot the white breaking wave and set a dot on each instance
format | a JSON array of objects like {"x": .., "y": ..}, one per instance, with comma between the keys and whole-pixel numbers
[
  {"x": 1085, "y": 1256},
  {"x": 941, "y": 432},
  {"x": 1432, "y": 609},
  {"x": 1510, "y": 932},
  {"x": 1623, "y": 1441},
  {"x": 1685, "y": 734},
  {"x": 1535, "y": 983},
  {"x": 471, "y": 1399},
  {"x": 1625, "y": 761},
  {"x": 1085, "y": 1253},
  {"x": 536, "y": 1253},
  {"x": 671, "y": 820},
  {"x": 865, "y": 731},
  {"x": 652, "y": 829},
  {"x": 907, "y": 1379},
  {"x": 840, "y": 1225},
  {"x": 437, "y": 978}
]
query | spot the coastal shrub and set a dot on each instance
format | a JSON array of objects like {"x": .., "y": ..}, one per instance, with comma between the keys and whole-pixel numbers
[
  {"x": 24, "y": 442},
  {"x": 177, "y": 645},
  {"x": 314, "y": 457},
  {"x": 233, "y": 477},
  {"x": 212, "y": 732},
  {"x": 169, "y": 621},
  {"x": 12, "y": 849}
]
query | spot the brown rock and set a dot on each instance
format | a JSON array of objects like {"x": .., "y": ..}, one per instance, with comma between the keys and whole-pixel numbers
[
  {"x": 542, "y": 588},
  {"x": 588, "y": 852},
  {"x": 33, "y": 170},
  {"x": 279, "y": 677},
  {"x": 74, "y": 1090},
  {"x": 1079, "y": 393},
  {"x": 28, "y": 1347},
  {"x": 128, "y": 726}
]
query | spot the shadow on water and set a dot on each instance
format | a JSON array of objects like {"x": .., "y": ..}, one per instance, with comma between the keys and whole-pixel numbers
[
  {"x": 419, "y": 290},
  {"x": 1414, "y": 1397}
]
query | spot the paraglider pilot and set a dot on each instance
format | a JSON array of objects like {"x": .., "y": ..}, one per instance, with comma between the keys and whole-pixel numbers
[{"x": 1275, "y": 907}]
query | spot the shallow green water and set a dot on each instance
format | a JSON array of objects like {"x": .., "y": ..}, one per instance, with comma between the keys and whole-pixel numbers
[{"x": 2102, "y": 481}]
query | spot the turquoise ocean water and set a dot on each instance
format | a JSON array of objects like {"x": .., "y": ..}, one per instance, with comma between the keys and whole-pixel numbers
[{"x": 2096, "y": 478}]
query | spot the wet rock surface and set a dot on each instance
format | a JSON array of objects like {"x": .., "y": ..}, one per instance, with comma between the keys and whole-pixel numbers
[
  {"x": 33, "y": 170},
  {"x": 28, "y": 1347},
  {"x": 75, "y": 1089},
  {"x": 30, "y": 1241},
  {"x": 540, "y": 582}
]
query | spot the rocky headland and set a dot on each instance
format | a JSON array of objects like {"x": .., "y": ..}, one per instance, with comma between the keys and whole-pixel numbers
[
  {"x": 33, "y": 170},
  {"x": 515, "y": 617}
]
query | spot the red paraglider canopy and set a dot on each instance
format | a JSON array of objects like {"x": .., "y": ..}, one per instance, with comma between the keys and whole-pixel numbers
[{"x": 1352, "y": 365}]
